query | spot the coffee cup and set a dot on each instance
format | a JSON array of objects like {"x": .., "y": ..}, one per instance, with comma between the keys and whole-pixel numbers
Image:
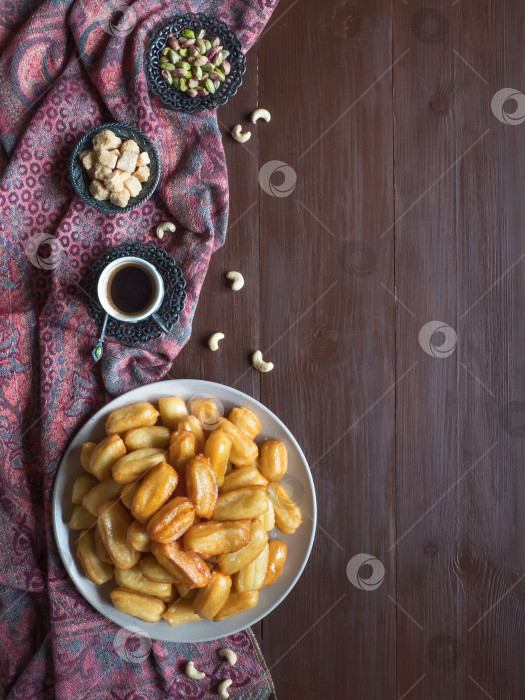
[{"x": 131, "y": 289}]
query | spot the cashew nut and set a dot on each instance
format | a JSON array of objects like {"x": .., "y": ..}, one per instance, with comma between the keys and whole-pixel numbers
[
  {"x": 165, "y": 226},
  {"x": 229, "y": 655},
  {"x": 213, "y": 341},
  {"x": 237, "y": 280},
  {"x": 261, "y": 114},
  {"x": 192, "y": 672},
  {"x": 259, "y": 363},
  {"x": 239, "y": 136},
  {"x": 223, "y": 685}
]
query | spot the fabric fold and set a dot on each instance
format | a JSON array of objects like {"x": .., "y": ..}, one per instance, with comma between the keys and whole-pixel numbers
[{"x": 66, "y": 67}]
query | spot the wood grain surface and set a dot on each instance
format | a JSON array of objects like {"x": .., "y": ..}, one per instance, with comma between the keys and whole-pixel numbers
[{"x": 387, "y": 286}]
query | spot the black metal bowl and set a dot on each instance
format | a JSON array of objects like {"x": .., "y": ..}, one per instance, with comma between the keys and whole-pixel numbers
[
  {"x": 81, "y": 181},
  {"x": 172, "y": 96}
]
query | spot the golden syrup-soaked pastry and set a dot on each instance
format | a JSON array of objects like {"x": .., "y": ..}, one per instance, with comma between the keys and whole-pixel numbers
[
  {"x": 246, "y": 420},
  {"x": 252, "y": 577},
  {"x": 210, "y": 599},
  {"x": 236, "y": 604},
  {"x": 214, "y": 538},
  {"x": 145, "y": 607},
  {"x": 243, "y": 476},
  {"x": 287, "y": 513},
  {"x": 172, "y": 520},
  {"x": 104, "y": 456},
  {"x": 135, "y": 464},
  {"x": 155, "y": 489},
  {"x": 188, "y": 567},
  {"x": 233, "y": 562},
  {"x": 273, "y": 461},
  {"x": 96, "y": 570},
  {"x": 134, "y": 415},
  {"x": 277, "y": 553},
  {"x": 246, "y": 502},
  {"x": 217, "y": 449},
  {"x": 113, "y": 522},
  {"x": 201, "y": 485},
  {"x": 244, "y": 451}
]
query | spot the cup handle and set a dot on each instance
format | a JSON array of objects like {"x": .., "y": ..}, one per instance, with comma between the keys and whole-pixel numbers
[{"x": 157, "y": 320}]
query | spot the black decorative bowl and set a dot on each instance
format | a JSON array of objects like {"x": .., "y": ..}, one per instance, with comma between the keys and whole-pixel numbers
[
  {"x": 172, "y": 96},
  {"x": 81, "y": 181}
]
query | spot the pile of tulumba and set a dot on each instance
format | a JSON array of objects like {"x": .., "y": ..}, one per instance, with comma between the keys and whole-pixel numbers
[{"x": 179, "y": 513}]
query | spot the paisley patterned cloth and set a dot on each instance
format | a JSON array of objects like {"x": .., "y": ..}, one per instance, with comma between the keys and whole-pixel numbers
[{"x": 66, "y": 66}]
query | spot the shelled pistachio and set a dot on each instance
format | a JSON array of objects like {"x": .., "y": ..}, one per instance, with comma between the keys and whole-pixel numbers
[{"x": 194, "y": 64}]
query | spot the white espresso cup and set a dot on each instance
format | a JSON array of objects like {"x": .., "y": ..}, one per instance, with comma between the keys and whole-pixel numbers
[{"x": 131, "y": 289}]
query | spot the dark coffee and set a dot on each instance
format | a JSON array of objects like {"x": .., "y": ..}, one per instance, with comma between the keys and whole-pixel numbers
[{"x": 131, "y": 289}]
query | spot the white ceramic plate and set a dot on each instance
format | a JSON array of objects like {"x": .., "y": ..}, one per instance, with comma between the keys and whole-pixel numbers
[{"x": 298, "y": 481}]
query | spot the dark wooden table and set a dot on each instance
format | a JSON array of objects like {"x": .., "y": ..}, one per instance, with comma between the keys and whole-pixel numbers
[{"x": 408, "y": 209}]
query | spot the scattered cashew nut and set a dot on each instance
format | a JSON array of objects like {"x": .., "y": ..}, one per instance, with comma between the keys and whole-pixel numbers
[
  {"x": 165, "y": 226},
  {"x": 192, "y": 672},
  {"x": 213, "y": 341},
  {"x": 259, "y": 363},
  {"x": 239, "y": 136},
  {"x": 261, "y": 114},
  {"x": 229, "y": 655},
  {"x": 237, "y": 280},
  {"x": 223, "y": 685}
]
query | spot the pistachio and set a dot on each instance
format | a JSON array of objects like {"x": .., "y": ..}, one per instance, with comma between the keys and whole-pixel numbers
[
  {"x": 167, "y": 76},
  {"x": 194, "y": 64}
]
